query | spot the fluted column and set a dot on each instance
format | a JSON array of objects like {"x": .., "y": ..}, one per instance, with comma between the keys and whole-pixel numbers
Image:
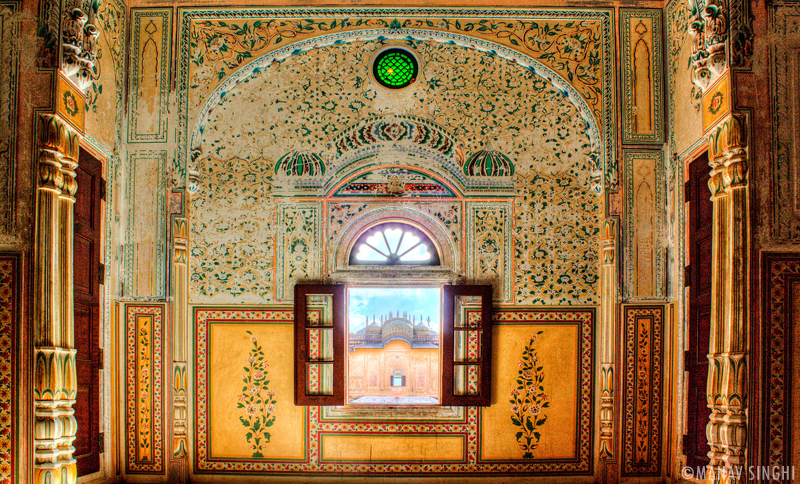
[
  {"x": 728, "y": 350},
  {"x": 609, "y": 303},
  {"x": 55, "y": 383}
]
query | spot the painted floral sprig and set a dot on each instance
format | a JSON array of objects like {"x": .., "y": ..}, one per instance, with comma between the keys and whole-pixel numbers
[
  {"x": 257, "y": 400},
  {"x": 528, "y": 400},
  {"x": 144, "y": 395}
]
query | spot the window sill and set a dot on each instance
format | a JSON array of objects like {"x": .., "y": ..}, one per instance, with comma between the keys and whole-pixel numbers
[{"x": 393, "y": 412}]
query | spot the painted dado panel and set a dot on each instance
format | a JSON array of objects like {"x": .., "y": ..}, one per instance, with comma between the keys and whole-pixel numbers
[
  {"x": 540, "y": 421},
  {"x": 146, "y": 248},
  {"x": 643, "y": 390},
  {"x": 9, "y": 321},
  {"x": 151, "y": 43},
  {"x": 645, "y": 225},
  {"x": 642, "y": 76},
  {"x": 9, "y": 78},
  {"x": 144, "y": 387},
  {"x": 309, "y": 99}
]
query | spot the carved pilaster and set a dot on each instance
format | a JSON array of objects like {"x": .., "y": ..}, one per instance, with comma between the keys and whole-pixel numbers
[
  {"x": 728, "y": 353},
  {"x": 609, "y": 301},
  {"x": 180, "y": 348},
  {"x": 55, "y": 383}
]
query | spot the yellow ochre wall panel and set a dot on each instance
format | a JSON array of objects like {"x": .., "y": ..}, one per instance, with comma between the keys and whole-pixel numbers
[
  {"x": 558, "y": 350},
  {"x": 230, "y": 348},
  {"x": 392, "y": 448}
]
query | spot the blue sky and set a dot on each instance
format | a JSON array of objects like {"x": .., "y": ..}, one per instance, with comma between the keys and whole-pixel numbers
[{"x": 418, "y": 301}]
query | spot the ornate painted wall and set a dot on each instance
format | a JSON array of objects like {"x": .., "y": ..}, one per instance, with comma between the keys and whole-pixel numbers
[
  {"x": 549, "y": 246},
  {"x": 247, "y": 423}
]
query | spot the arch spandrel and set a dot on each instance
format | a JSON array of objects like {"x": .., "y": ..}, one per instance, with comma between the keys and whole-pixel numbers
[{"x": 577, "y": 61}]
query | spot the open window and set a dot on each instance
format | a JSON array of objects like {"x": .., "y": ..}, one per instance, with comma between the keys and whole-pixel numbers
[
  {"x": 319, "y": 337},
  {"x": 467, "y": 345},
  {"x": 321, "y": 344}
]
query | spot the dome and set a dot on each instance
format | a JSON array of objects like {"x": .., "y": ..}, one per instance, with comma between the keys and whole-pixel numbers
[
  {"x": 421, "y": 329},
  {"x": 373, "y": 328},
  {"x": 488, "y": 162},
  {"x": 300, "y": 163}
]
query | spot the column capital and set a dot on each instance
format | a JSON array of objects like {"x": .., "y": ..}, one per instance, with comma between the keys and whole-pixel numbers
[{"x": 728, "y": 154}]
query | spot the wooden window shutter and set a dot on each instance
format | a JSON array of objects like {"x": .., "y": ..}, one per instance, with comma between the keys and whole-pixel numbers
[
  {"x": 467, "y": 346},
  {"x": 319, "y": 352}
]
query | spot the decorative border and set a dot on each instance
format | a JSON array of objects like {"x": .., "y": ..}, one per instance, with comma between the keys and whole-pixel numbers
[
  {"x": 317, "y": 426},
  {"x": 780, "y": 272},
  {"x": 503, "y": 209},
  {"x": 160, "y": 229},
  {"x": 659, "y": 262},
  {"x": 606, "y": 110},
  {"x": 9, "y": 64},
  {"x": 149, "y": 344},
  {"x": 283, "y": 285},
  {"x": 783, "y": 17},
  {"x": 584, "y": 450},
  {"x": 642, "y": 390},
  {"x": 9, "y": 320},
  {"x": 137, "y": 15},
  {"x": 656, "y": 71}
]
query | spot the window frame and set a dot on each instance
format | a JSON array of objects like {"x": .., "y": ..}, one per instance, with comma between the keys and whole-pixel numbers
[
  {"x": 447, "y": 394},
  {"x": 301, "y": 344},
  {"x": 447, "y": 397}
]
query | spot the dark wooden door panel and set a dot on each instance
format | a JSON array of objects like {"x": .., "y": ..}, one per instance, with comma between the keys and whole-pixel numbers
[
  {"x": 700, "y": 254},
  {"x": 86, "y": 253}
]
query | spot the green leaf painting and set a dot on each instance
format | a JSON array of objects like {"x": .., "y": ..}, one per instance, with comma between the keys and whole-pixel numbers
[
  {"x": 257, "y": 399},
  {"x": 528, "y": 400}
]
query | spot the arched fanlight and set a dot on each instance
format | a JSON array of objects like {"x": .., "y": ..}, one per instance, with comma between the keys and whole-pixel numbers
[{"x": 394, "y": 243}]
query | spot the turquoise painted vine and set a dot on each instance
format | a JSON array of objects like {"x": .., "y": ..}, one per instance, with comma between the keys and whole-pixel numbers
[
  {"x": 257, "y": 399},
  {"x": 528, "y": 400}
]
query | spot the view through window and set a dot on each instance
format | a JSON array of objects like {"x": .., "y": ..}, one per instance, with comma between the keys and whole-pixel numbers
[{"x": 393, "y": 345}]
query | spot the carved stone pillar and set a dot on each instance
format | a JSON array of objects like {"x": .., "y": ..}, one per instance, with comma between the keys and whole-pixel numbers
[
  {"x": 609, "y": 305},
  {"x": 727, "y": 390},
  {"x": 55, "y": 384}
]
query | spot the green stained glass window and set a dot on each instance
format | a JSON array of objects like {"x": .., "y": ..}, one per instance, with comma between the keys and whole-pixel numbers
[{"x": 395, "y": 68}]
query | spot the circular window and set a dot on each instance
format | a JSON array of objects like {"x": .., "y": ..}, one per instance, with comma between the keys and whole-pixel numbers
[{"x": 395, "y": 68}]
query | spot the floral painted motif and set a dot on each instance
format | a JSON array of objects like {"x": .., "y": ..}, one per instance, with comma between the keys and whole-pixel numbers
[
  {"x": 144, "y": 430},
  {"x": 257, "y": 399},
  {"x": 570, "y": 46},
  {"x": 317, "y": 424},
  {"x": 310, "y": 100},
  {"x": 143, "y": 397},
  {"x": 8, "y": 282},
  {"x": 528, "y": 400}
]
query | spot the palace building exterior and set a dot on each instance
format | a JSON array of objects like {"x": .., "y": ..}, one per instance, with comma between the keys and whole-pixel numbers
[{"x": 396, "y": 357}]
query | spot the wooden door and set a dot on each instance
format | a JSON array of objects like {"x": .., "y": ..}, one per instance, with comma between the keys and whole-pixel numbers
[
  {"x": 87, "y": 274},
  {"x": 700, "y": 213}
]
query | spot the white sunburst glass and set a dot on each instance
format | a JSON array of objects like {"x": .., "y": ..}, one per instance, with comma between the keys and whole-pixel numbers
[{"x": 394, "y": 244}]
